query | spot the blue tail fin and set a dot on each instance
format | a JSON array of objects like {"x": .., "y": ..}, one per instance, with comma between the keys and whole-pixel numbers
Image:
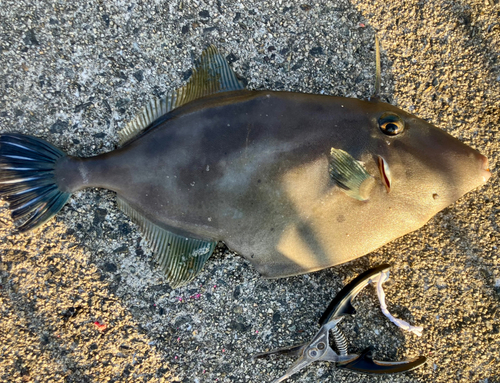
[{"x": 27, "y": 179}]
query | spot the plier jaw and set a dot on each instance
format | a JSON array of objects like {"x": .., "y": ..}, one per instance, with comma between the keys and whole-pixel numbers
[{"x": 319, "y": 349}]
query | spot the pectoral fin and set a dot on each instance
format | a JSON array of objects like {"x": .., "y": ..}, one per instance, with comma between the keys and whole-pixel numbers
[
  {"x": 181, "y": 258},
  {"x": 350, "y": 175}
]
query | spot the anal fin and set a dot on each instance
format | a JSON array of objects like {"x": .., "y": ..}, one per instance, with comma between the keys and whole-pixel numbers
[{"x": 181, "y": 258}]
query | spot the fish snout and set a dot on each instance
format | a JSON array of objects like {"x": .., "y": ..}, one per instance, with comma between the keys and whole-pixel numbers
[{"x": 485, "y": 170}]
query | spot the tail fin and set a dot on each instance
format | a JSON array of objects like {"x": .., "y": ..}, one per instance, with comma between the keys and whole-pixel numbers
[{"x": 27, "y": 179}]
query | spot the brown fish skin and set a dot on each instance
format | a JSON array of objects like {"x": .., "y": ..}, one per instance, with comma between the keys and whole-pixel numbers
[{"x": 250, "y": 168}]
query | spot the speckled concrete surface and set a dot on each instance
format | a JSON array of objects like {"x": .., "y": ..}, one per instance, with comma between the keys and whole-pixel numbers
[{"x": 80, "y": 299}]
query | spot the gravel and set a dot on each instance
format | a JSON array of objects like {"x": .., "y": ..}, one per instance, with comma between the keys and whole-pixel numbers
[{"x": 81, "y": 300}]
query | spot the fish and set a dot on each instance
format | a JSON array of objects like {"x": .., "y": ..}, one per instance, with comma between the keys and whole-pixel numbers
[{"x": 293, "y": 182}]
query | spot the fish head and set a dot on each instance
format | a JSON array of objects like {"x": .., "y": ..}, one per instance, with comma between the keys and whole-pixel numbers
[{"x": 420, "y": 165}]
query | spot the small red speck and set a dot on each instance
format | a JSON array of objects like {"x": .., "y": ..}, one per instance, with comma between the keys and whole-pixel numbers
[
  {"x": 175, "y": 357},
  {"x": 223, "y": 350},
  {"x": 215, "y": 286},
  {"x": 362, "y": 25},
  {"x": 204, "y": 371},
  {"x": 256, "y": 331},
  {"x": 100, "y": 326},
  {"x": 180, "y": 299},
  {"x": 178, "y": 339}
]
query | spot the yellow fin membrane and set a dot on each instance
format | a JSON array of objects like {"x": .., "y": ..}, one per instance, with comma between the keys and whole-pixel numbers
[
  {"x": 350, "y": 175},
  {"x": 181, "y": 258}
]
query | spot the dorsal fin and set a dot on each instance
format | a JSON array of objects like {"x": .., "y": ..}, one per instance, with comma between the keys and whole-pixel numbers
[
  {"x": 211, "y": 75},
  {"x": 181, "y": 258}
]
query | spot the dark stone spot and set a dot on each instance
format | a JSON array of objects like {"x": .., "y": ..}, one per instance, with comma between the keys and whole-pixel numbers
[
  {"x": 121, "y": 102},
  {"x": 75, "y": 141},
  {"x": 121, "y": 75},
  {"x": 271, "y": 48},
  {"x": 99, "y": 135},
  {"x": 259, "y": 181},
  {"x": 238, "y": 326},
  {"x": 208, "y": 30},
  {"x": 93, "y": 346},
  {"x": 231, "y": 58},
  {"x": 306, "y": 7},
  {"x": 68, "y": 313},
  {"x": 187, "y": 74},
  {"x": 121, "y": 250},
  {"x": 237, "y": 292},
  {"x": 124, "y": 229},
  {"x": 80, "y": 107},
  {"x": 298, "y": 65},
  {"x": 4, "y": 114},
  {"x": 105, "y": 18},
  {"x": 204, "y": 14},
  {"x": 237, "y": 16},
  {"x": 99, "y": 215},
  {"x": 340, "y": 218},
  {"x": 286, "y": 9},
  {"x": 185, "y": 29},
  {"x": 53, "y": 21},
  {"x": 18, "y": 112},
  {"x": 58, "y": 126},
  {"x": 276, "y": 317},
  {"x": 161, "y": 311},
  {"x": 435, "y": 195},
  {"x": 110, "y": 267},
  {"x": 182, "y": 320},
  {"x": 30, "y": 38},
  {"x": 139, "y": 75},
  {"x": 316, "y": 51},
  {"x": 44, "y": 339}
]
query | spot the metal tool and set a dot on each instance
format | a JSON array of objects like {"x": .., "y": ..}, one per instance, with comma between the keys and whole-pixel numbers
[{"x": 319, "y": 349}]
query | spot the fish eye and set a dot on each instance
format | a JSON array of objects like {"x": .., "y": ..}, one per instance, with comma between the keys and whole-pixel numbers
[{"x": 391, "y": 124}]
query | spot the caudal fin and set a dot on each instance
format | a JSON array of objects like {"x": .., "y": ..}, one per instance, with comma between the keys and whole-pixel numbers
[{"x": 27, "y": 179}]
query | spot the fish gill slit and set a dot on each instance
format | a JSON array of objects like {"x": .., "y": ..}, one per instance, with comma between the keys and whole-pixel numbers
[{"x": 385, "y": 173}]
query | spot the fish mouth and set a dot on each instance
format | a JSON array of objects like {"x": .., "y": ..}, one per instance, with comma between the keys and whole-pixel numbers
[{"x": 385, "y": 173}]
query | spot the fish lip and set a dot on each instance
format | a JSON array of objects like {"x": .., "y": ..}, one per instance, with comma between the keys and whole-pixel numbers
[{"x": 385, "y": 173}]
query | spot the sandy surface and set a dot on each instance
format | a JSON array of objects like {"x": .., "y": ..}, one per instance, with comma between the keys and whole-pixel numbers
[{"x": 80, "y": 299}]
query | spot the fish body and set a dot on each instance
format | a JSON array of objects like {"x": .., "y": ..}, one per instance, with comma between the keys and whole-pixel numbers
[{"x": 254, "y": 169}]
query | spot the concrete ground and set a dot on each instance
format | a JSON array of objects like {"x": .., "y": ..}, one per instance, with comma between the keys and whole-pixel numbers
[{"x": 80, "y": 299}]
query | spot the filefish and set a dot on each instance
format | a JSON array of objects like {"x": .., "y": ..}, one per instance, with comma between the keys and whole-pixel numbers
[{"x": 293, "y": 182}]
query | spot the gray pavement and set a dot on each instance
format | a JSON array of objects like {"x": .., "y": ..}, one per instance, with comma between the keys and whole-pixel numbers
[{"x": 81, "y": 300}]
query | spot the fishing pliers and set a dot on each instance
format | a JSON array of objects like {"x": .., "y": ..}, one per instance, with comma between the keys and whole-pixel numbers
[{"x": 319, "y": 349}]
